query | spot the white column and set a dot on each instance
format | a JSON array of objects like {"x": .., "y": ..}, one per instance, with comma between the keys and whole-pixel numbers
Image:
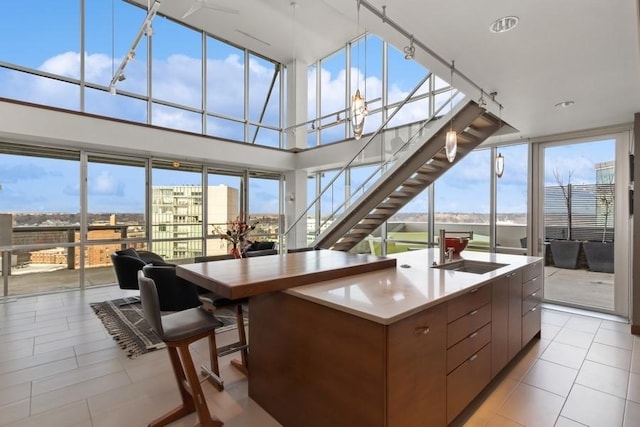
[
  {"x": 296, "y": 104},
  {"x": 295, "y": 204},
  {"x": 296, "y": 181}
]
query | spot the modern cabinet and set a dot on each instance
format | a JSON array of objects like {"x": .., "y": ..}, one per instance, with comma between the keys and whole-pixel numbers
[
  {"x": 515, "y": 313},
  {"x": 531, "y": 299},
  {"x": 468, "y": 348},
  {"x": 416, "y": 365},
  {"x": 499, "y": 325}
]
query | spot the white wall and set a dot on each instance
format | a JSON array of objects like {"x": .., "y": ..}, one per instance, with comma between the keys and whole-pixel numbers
[{"x": 23, "y": 123}]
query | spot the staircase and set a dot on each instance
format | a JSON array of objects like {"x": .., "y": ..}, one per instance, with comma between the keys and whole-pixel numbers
[{"x": 408, "y": 177}]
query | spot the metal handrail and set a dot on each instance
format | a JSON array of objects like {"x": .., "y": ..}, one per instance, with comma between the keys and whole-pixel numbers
[
  {"x": 393, "y": 156},
  {"x": 350, "y": 162}
]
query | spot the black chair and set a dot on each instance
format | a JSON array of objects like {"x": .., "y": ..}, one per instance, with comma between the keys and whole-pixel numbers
[
  {"x": 303, "y": 249},
  {"x": 260, "y": 246},
  {"x": 178, "y": 330},
  {"x": 127, "y": 263},
  {"x": 262, "y": 252},
  {"x": 174, "y": 293},
  {"x": 211, "y": 302}
]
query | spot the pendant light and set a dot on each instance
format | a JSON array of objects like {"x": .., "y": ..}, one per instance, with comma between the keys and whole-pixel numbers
[
  {"x": 358, "y": 103},
  {"x": 451, "y": 140},
  {"x": 499, "y": 165}
]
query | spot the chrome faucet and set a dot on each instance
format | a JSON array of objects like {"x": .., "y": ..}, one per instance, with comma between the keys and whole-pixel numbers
[{"x": 446, "y": 254}]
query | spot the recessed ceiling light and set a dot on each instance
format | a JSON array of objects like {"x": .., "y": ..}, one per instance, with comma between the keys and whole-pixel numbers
[
  {"x": 564, "y": 104},
  {"x": 504, "y": 24}
]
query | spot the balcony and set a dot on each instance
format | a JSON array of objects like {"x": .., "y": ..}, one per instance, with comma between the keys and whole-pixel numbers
[{"x": 49, "y": 270}]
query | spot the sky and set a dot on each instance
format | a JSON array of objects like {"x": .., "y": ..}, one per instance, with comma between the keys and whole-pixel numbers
[{"x": 46, "y": 185}]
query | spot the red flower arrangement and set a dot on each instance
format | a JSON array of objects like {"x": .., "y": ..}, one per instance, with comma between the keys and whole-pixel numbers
[{"x": 237, "y": 233}]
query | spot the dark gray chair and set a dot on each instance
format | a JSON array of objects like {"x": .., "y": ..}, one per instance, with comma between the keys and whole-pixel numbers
[
  {"x": 174, "y": 293},
  {"x": 178, "y": 330}
]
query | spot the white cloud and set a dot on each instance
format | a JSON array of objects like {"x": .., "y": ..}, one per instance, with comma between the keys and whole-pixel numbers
[{"x": 105, "y": 184}]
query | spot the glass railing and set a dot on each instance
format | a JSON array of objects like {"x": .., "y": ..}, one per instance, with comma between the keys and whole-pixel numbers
[{"x": 381, "y": 150}]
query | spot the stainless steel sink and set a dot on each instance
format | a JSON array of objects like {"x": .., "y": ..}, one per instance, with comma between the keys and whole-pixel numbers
[{"x": 468, "y": 266}]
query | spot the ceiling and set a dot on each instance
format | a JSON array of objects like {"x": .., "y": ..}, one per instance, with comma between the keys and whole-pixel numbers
[{"x": 586, "y": 51}]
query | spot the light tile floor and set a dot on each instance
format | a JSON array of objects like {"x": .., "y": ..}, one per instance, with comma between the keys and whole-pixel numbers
[{"x": 58, "y": 367}]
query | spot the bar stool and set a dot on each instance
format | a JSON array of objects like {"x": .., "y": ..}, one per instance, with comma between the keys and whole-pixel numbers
[
  {"x": 212, "y": 302},
  {"x": 178, "y": 330}
]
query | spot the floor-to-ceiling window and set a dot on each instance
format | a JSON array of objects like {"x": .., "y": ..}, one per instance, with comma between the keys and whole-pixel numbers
[
  {"x": 582, "y": 220},
  {"x": 69, "y": 210},
  {"x": 462, "y": 199},
  {"x": 176, "y": 76},
  {"x": 116, "y": 213},
  {"x": 164, "y": 78},
  {"x": 264, "y": 206},
  {"x": 176, "y": 209},
  {"x": 225, "y": 192},
  {"x": 578, "y": 188},
  {"x": 511, "y": 199},
  {"x": 40, "y": 189},
  {"x": 103, "y": 56}
]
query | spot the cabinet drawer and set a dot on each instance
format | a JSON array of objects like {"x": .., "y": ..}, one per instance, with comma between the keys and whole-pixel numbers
[
  {"x": 468, "y": 302},
  {"x": 530, "y": 324},
  {"x": 465, "y": 382},
  {"x": 467, "y": 347},
  {"x": 531, "y": 301},
  {"x": 467, "y": 324},
  {"x": 530, "y": 271},
  {"x": 531, "y": 286}
]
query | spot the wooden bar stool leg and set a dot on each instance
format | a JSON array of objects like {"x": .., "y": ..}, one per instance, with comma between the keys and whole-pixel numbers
[
  {"x": 243, "y": 364},
  {"x": 213, "y": 371},
  {"x": 196, "y": 390},
  {"x": 188, "y": 405}
]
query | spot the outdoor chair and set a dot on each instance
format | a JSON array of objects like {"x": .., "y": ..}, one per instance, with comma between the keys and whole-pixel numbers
[{"x": 179, "y": 330}]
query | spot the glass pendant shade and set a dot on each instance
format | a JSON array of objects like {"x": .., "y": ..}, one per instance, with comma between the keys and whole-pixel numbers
[
  {"x": 451, "y": 145},
  {"x": 499, "y": 165},
  {"x": 358, "y": 113}
]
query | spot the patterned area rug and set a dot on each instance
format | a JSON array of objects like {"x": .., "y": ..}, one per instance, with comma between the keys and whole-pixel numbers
[{"x": 134, "y": 335}]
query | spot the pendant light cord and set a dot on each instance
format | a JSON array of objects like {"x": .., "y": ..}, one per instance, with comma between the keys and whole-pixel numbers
[
  {"x": 113, "y": 38},
  {"x": 453, "y": 66},
  {"x": 357, "y": 34}
]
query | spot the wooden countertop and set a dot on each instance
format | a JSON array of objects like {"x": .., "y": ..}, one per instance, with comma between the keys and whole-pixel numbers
[{"x": 239, "y": 278}]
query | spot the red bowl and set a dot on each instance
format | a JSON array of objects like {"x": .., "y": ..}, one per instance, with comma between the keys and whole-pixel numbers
[{"x": 457, "y": 243}]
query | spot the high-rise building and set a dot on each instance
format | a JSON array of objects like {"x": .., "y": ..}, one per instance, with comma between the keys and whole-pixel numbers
[{"x": 176, "y": 213}]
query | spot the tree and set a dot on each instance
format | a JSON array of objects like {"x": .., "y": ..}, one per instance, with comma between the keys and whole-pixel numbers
[
  {"x": 605, "y": 192},
  {"x": 566, "y": 193}
]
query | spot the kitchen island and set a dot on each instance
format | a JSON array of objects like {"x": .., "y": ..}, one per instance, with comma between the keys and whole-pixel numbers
[{"x": 410, "y": 345}]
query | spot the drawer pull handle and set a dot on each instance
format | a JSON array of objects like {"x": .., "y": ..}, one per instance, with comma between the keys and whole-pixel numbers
[
  {"x": 473, "y": 313},
  {"x": 534, "y": 294},
  {"x": 473, "y": 335},
  {"x": 534, "y": 279},
  {"x": 534, "y": 308},
  {"x": 473, "y": 291},
  {"x": 422, "y": 330},
  {"x": 474, "y": 357}
]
